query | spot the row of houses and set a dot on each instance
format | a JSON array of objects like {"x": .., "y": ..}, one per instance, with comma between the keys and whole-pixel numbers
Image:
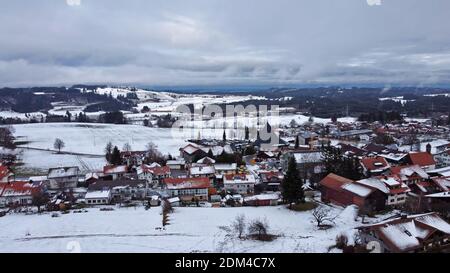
[{"x": 388, "y": 190}]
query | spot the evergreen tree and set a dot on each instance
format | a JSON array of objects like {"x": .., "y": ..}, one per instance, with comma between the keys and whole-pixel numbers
[
  {"x": 224, "y": 136},
  {"x": 115, "y": 156},
  {"x": 297, "y": 142},
  {"x": 68, "y": 116},
  {"x": 247, "y": 133},
  {"x": 292, "y": 189},
  {"x": 210, "y": 154}
]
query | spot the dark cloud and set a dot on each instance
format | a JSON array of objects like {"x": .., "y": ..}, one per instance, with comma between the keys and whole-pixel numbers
[{"x": 202, "y": 42}]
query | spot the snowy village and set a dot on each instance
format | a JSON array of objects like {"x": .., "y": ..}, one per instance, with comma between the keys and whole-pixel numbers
[
  {"x": 250, "y": 131},
  {"x": 336, "y": 185}
]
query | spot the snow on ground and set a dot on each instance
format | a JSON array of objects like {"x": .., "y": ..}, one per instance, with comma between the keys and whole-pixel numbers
[
  {"x": 22, "y": 116},
  {"x": 190, "y": 230},
  {"x": 196, "y": 99},
  {"x": 396, "y": 99},
  {"x": 88, "y": 142},
  {"x": 40, "y": 161},
  {"x": 91, "y": 138},
  {"x": 252, "y": 120},
  {"x": 140, "y": 93},
  {"x": 420, "y": 120}
]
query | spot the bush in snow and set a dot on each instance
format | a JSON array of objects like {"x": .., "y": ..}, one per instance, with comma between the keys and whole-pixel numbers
[
  {"x": 341, "y": 241},
  {"x": 259, "y": 230}
]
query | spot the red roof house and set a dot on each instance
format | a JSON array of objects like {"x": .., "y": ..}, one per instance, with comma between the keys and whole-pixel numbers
[
  {"x": 188, "y": 189},
  {"x": 18, "y": 193},
  {"x": 374, "y": 165},
  {"x": 423, "y": 159},
  {"x": 414, "y": 233}
]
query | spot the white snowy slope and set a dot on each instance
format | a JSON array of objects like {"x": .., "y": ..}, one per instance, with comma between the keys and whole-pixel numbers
[{"x": 190, "y": 230}]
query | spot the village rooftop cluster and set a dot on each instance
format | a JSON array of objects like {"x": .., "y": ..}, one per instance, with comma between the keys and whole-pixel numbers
[{"x": 400, "y": 166}]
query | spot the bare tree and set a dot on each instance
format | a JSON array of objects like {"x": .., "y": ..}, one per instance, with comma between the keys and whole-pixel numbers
[
  {"x": 109, "y": 147},
  {"x": 239, "y": 225},
  {"x": 39, "y": 200},
  {"x": 322, "y": 215},
  {"x": 258, "y": 228},
  {"x": 126, "y": 147},
  {"x": 59, "y": 144},
  {"x": 153, "y": 155},
  {"x": 108, "y": 151}
]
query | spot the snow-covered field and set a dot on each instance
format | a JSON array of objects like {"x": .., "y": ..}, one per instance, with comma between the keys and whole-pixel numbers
[
  {"x": 88, "y": 141},
  {"x": 190, "y": 230},
  {"x": 92, "y": 138},
  {"x": 39, "y": 161}
]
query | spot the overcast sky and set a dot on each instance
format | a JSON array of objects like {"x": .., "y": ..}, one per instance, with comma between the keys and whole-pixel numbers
[{"x": 224, "y": 42}]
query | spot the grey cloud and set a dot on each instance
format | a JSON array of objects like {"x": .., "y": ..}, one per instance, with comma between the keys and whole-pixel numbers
[{"x": 217, "y": 42}]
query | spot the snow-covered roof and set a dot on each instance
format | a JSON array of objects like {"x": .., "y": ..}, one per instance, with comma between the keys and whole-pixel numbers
[
  {"x": 444, "y": 194},
  {"x": 187, "y": 183},
  {"x": 358, "y": 189},
  {"x": 239, "y": 179},
  {"x": 434, "y": 221},
  {"x": 374, "y": 183},
  {"x": 115, "y": 169},
  {"x": 202, "y": 170},
  {"x": 225, "y": 167},
  {"x": 206, "y": 160},
  {"x": 37, "y": 178},
  {"x": 63, "y": 172},
  {"x": 308, "y": 157},
  {"x": 406, "y": 233},
  {"x": 405, "y": 172},
  {"x": 176, "y": 162},
  {"x": 154, "y": 165},
  {"x": 97, "y": 194},
  {"x": 394, "y": 157},
  {"x": 391, "y": 181},
  {"x": 267, "y": 196},
  {"x": 190, "y": 149},
  {"x": 400, "y": 236},
  {"x": 443, "y": 183},
  {"x": 173, "y": 200}
]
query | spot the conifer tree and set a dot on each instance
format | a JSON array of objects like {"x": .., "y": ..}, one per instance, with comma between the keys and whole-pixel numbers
[
  {"x": 292, "y": 185},
  {"x": 115, "y": 156}
]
